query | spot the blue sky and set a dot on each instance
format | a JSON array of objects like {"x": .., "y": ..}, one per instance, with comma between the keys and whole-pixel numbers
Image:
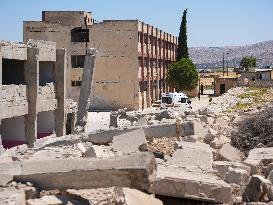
[{"x": 210, "y": 22}]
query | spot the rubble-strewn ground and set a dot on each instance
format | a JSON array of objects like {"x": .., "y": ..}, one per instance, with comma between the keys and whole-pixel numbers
[
  {"x": 194, "y": 158},
  {"x": 163, "y": 146}
]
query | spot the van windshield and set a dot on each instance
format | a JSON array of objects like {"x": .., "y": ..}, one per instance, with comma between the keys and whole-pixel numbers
[
  {"x": 167, "y": 100},
  {"x": 183, "y": 100}
]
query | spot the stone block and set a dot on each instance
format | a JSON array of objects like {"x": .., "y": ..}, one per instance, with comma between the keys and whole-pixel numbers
[
  {"x": 187, "y": 128},
  {"x": 160, "y": 130},
  {"x": 129, "y": 142},
  {"x": 230, "y": 153},
  {"x": 218, "y": 142},
  {"x": 134, "y": 170},
  {"x": 256, "y": 189},
  {"x": 195, "y": 127},
  {"x": 190, "y": 184},
  {"x": 222, "y": 167},
  {"x": 258, "y": 158},
  {"x": 192, "y": 154}
]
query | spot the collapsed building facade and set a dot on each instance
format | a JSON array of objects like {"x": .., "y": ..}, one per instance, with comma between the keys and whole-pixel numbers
[
  {"x": 131, "y": 63},
  {"x": 32, "y": 92}
]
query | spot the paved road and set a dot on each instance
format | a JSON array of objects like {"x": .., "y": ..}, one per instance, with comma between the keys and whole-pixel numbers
[{"x": 197, "y": 104}]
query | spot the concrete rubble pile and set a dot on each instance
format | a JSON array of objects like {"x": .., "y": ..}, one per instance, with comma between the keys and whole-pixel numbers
[{"x": 150, "y": 157}]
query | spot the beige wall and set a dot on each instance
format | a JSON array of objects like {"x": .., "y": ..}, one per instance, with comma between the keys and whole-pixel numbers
[
  {"x": 61, "y": 35},
  {"x": 116, "y": 67},
  {"x": 74, "y": 18},
  {"x": 229, "y": 83}
]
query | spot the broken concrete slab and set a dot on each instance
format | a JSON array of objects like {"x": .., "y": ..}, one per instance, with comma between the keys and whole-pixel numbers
[
  {"x": 230, "y": 153},
  {"x": 192, "y": 154},
  {"x": 112, "y": 195},
  {"x": 191, "y": 184},
  {"x": 14, "y": 197},
  {"x": 164, "y": 114},
  {"x": 256, "y": 189},
  {"x": 50, "y": 200},
  {"x": 259, "y": 158},
  {"x": 160, "y": 130},
  {"x": 129, "y": 142},
  {"x": 134, "y": 170},
  {"x": 106, "y": 137},
  {"x": 222, "y": 167},
  {"x": 10, "y": 168},
  {"x": 5, "y": 179},
  {"x": 136, "y": 197}
]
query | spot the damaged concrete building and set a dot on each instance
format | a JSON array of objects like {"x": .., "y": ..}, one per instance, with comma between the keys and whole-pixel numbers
[
  {"x": 131, "y": 63},
  {"x": 32, "y": 92}
]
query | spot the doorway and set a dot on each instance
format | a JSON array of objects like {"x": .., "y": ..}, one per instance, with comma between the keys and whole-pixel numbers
[{"x": 222, "y": 89}]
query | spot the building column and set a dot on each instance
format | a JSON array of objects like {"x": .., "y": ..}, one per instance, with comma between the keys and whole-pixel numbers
[
  {"x": 32, "y": 82},
  {"x": 142, "y": 66},
  {"x": 87, "y": 79},
  {"x": 160, "y": 68},
  {"x": 60, "y": 67},
  {"x": 164, "y": 64},
  {"x": 0, "y": 97},
  {"x": 148, "y": 98},
  {"x": 157, "y": 69},
  {"x": 152, "y": 66}
]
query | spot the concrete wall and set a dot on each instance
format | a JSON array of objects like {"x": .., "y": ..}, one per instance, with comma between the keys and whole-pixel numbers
[
  {"x": 116, "y": 66},
  {"x": 73, "y": 18},
  {"x": 13, "y": 131},
  {"x": 14, "y": 101},
  {"x": 46, "y": 98},
  {"x": 228, "y": 82},
  {"x": 12, "y": 50},
  {"x": 61, "y": 34},
  {"x": 47, "y": 49},
  {"x": 45, "y": 124}
]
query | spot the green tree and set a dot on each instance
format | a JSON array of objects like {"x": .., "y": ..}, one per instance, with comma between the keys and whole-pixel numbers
[
  {"x": 182, "y": 49},
  {"x": 182, "y": 75},
  {"x": 248, "y": 62}
]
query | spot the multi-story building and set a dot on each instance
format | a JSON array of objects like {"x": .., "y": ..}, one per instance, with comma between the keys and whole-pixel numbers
[
  {"x": 131, "y": 63},
  {"x": 32, "y": 92}
]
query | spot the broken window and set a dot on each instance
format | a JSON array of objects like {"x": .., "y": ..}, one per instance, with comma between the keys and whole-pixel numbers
[
  {"x": 76, "y": 83},
  {"x": 13, "y": 72},
  {"x": 142, "y": 86},
  {"x": 77, "y": 61},
  {"x": 79, "y": 35}
]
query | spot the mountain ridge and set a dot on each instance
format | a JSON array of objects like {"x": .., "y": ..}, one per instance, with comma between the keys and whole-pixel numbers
[{"x": 212, "y": 57}]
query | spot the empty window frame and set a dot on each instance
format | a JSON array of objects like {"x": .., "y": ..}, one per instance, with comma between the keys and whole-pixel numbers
[
  {"x": 77, "y": 61},
  {"x": 76, "y": 83},
  {"x": 79, "y": 35}
]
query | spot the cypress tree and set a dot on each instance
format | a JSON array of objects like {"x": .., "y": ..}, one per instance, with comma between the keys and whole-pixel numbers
[{"x": 182, "y": 50}]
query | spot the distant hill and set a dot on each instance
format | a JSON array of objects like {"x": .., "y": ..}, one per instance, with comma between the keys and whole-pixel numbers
[{"x": 212, "y": 57}]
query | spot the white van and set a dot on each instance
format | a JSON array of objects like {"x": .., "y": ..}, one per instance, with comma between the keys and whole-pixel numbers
[{"x": 174, "y": 100}]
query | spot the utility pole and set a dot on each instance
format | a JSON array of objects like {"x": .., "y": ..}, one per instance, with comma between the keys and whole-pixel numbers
[
  {"x": 227, "y": 65},
  {"x": 223, "y": 63}
]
